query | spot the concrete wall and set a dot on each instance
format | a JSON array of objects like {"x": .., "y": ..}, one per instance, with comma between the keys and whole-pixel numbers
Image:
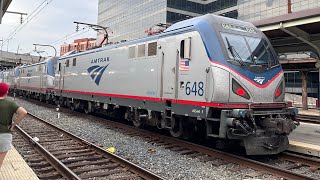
[{"x": 11, "y": 59}]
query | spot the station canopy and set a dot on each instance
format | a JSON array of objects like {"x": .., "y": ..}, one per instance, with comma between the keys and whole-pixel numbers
[
  {"x": 4, "y": 4},
  {"x": 295, "y": 32}
]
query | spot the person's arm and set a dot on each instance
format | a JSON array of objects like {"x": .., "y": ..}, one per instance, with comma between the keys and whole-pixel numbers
[{"x": 21, "y": 113}]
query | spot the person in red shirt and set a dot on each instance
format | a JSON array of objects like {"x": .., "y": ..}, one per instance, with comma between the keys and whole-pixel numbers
[{"x": 7, "y": 110}]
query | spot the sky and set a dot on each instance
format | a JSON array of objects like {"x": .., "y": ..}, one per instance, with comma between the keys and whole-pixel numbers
[{"x": 53, "y": 25}]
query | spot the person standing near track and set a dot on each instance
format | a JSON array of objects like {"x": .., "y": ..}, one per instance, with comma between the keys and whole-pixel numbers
[{"x": 7, "y": 110}]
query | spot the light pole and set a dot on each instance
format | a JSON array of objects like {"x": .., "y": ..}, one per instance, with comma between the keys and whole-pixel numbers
[
  {"x": 55, "y": 50},
  {"x": 1, "y": 47},
  {"x": 8, "y": 44}
]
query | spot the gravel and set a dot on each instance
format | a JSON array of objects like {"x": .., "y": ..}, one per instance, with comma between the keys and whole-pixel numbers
[{"x": 157, "y": 159}]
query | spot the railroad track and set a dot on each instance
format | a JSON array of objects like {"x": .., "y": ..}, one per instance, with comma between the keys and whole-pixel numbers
[
  {"x": 273, "y": 169},
  {"x": 218, "y": 158},
  {"x": 297, "y": 161},
  {"x": 309, "y": 119},
  {"x": 56, "y": 154}
]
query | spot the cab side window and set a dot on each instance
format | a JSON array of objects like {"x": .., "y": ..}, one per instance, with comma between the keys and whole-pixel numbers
[
  {"x": 74, "y": 62},
  {"x": 67, "y": 63}
]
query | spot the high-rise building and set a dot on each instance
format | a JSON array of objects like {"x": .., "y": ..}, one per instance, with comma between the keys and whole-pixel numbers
[{"x": 130, "y": 19}]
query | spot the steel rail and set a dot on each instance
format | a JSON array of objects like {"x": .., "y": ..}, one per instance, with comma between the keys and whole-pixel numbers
[
  {"x": 300, "y": 159},
  {"x": 58, "y": 165},
  {"x": 309, "y": 119},
  {"x": 132, "y": 167},
  {"x": 265, "y": 168},
  {"x": 245, "y": 162}
]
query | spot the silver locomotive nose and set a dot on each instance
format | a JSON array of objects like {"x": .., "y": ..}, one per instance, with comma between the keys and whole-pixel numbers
[{"x": 261, "y": 131}]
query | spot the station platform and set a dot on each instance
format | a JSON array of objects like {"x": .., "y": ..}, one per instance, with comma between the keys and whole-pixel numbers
[
  {"x": 15, "y": 168},
  {"x": 306, "y": 139},
  {"x": 310, "y": 112}
]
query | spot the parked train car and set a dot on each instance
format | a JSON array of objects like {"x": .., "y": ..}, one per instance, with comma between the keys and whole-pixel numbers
[
  {"x": 8, "y": 76},
  {"x": 36, "y": 80},
  {"x": 210, "y": 75}
]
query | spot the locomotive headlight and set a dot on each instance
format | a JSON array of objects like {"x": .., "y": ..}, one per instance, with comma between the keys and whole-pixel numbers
[
  {"x": 279, "y": 90},
  {"x": 239, "y": 90}
]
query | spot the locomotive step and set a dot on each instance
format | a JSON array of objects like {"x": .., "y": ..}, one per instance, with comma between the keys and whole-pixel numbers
[{"x": 213, "y": 119}]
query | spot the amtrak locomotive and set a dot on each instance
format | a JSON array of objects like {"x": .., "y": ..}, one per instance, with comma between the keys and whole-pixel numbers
[{"x": 210, "y": 74}]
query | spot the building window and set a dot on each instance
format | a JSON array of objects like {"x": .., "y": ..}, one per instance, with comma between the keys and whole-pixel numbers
[
  {"x": 74, "y": 62},
  {"x": 141, "y": 50},
  {"x": 152, "y": 49},
  {"x": 173, "y": 17}
]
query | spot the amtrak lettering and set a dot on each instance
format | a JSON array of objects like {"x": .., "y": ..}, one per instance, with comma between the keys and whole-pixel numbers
[{"x": 100, "y": 60}]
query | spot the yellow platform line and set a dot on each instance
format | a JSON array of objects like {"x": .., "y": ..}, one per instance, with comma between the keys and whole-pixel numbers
[
  {"x": 305, "y": 148},
  {"x": 15, "y": 168}
]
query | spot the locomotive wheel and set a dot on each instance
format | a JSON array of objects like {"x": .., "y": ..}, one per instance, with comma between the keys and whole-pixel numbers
[
  {"x": 137, "y": 123},
  {"x": 136, "y": 120},
  {"x": 40, "y": 98},
  {"x": 72, "y": 107},
  {"x": 177, "y": 128},
  {"x": 85, "y": 107},
  {"x": 86, "y": 110}
]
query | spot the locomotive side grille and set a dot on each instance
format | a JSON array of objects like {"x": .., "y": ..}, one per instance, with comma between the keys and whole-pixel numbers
[
  {"x": 132, "y": 52},
  {"x": 152, "y": 49}
]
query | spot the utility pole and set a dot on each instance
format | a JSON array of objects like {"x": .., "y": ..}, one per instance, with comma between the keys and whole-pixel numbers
[
  {"x": 21, "y": 15},
  {"x": 96, "y": 28},
  {"x": 1, "y": 46},
  {"x": 18, "y": 49},
  {"x": 8, "y": 44}
]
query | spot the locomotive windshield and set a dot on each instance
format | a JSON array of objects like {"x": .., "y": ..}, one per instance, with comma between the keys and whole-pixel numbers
[{"x": 247, "y": 50}]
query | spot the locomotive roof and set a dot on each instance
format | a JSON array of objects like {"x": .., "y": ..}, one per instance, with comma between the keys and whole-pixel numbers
[
  {"x": 42, "y": 62},
  {"x": 207, "y": 18},
  {"x": 193, "y": 24}
]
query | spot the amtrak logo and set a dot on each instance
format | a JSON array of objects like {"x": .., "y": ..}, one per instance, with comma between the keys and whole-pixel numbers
[
  {"x": 96, "y": 72},
  {"x": 259, "y": 79}
]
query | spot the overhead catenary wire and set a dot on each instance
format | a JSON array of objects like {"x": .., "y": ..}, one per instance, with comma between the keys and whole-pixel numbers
[
  {"x": 71, "y": 35},
  {"x": 32, "y": 15},
  {"x": 68, "y": 36}
]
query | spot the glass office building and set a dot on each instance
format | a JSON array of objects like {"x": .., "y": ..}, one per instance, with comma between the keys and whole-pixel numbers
[{"x": 129, "y": 19}]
